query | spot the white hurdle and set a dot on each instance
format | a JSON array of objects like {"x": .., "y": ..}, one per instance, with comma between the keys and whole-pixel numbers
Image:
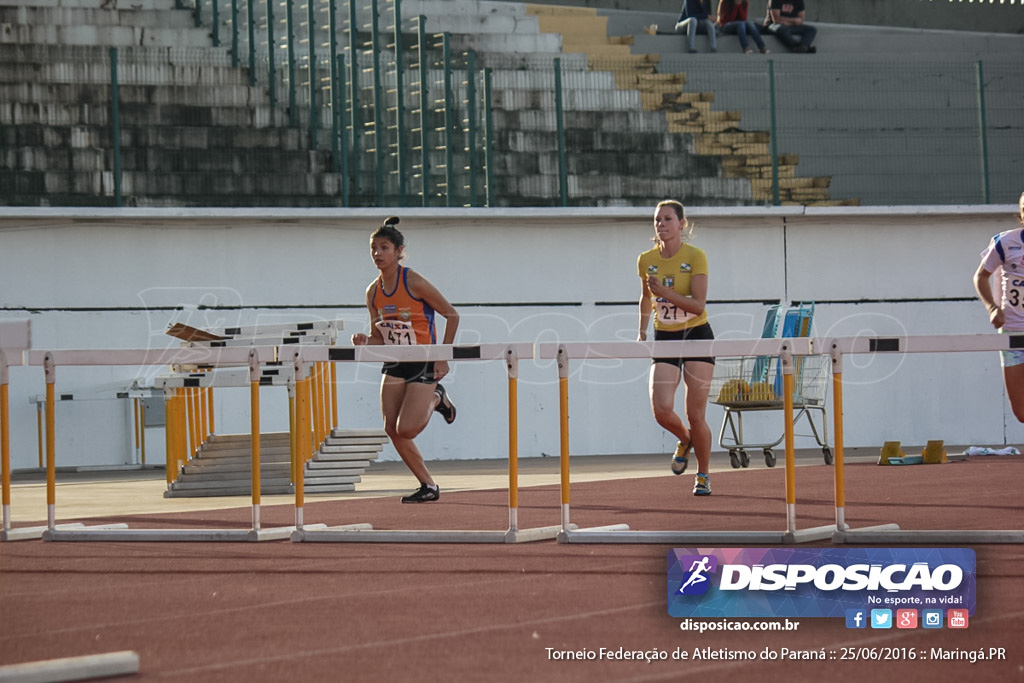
[
  {"x": 15, "y": 340},
  {"x": 365, "y": 533},
  {"x": 233, "y": 356},
  {"x": 785, "y": 349},
  {"x": 81, "y": 668},
  {"x": 952, "y": 343}
]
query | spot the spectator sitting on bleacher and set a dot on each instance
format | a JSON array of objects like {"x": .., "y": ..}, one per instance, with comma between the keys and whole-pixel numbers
[
  {"x": 785, "y": 19},
  {"x": 732, "y": 18},
  {"x": 695, "y": 17}
]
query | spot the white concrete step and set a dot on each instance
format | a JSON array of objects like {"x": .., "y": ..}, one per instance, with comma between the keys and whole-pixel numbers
[
  {"x": 47, "y": 54},
  {"x": 476, "y": 8},
  {"x": 74, "y": 16},
  {"x": 520, "y": 126},
  {"x": 95, "y": 94},
  {"x": 97, "y": 4},
  {"x": 110, "y": 36},
  {"x": 128, "y": 74}
]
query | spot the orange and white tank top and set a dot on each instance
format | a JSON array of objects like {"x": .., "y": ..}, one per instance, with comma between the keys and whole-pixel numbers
[{"x": 402, "y": 318}]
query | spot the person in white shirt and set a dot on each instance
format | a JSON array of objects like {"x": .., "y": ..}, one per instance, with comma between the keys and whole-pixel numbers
[{"x": 1005, "y": 253}]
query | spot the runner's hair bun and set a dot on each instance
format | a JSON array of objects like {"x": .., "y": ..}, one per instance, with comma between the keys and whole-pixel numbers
[{"x": 391, "y": 221}]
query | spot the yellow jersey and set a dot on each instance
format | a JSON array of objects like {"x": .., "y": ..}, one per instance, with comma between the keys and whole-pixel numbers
[{"x": 675, "y": 272}]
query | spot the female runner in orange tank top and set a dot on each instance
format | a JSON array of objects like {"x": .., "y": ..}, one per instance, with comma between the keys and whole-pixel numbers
[{"x": 402, "y": 304}]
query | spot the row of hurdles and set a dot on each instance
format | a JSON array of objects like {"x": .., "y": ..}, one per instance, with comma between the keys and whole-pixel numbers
[{"x": 15, "y": 350}]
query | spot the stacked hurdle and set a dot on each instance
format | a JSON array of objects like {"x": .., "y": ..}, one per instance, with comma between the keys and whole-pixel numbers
[{"x": 190, "y": 414}]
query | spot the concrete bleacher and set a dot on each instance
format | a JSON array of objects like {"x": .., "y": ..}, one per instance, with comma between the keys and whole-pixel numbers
[
  {"x": 193, "y": 130},
  {"x": 640, "y": 114},
  {"x": 869, "y": 90}
]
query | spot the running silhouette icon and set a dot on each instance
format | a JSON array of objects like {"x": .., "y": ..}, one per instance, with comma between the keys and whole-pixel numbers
[{"x": 697, "y": 581}]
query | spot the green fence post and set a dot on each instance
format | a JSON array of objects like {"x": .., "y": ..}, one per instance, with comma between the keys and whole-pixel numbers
[
  {"x": 400, "y": 161},
  {"x": 488, "y": 138},
  {"x": 314, "y": 118},
  {"x": 252, "y": 43},
  {"x": 234, "y": 33},
  {"x": 471, "y": 128},
  {"x": 199, "y": 13},
  {"x": 271, "y": 49},
  {"x": 983, "y": 134},
  {"x": 378, "y": 105},
  {"x": 293, "y": 119},
  {"x": 357, "y": 119},
  {"x": 563, "y": 179},
  {"x": 115, "y": 119},
  {"x": 332, "y": 27},
  {"x": 216, "y": 23},
  {"x": 774, "y": 133},
  {"x": 341, "y": 136},
  {"x": 449, "y": 157},
  {"x": 421, "y": 36}
]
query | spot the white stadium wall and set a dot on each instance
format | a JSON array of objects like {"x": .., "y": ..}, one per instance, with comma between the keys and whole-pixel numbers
[{"x": 116, "y": 279}]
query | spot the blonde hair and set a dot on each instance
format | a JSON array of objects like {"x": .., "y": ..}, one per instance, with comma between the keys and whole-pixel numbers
[{"x": 687, "y": 232}]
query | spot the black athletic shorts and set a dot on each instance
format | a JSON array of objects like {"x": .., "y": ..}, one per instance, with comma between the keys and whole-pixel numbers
[
  {"x": 410, "y": 372},
  {"x": 700, "y": 333}
]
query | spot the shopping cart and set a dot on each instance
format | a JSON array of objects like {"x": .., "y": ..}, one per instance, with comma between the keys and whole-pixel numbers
[{"x": 755, "y": 384}]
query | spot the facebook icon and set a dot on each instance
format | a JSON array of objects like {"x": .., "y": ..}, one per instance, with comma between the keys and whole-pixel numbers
[{"x": 856, "y": 618}]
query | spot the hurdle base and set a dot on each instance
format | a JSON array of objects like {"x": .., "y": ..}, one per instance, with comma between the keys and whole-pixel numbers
[
  {"x": 818, "y": 533},
  {"x": 841, "y": 534},
  {"x": 122, "y": 533},
  {"x": 73, "y": 668},
  {"x": 36, "y": 532},
  {"x": 299, "y": 534},
  {"x": 883, "y": 535},
  {"x": 565, "y": 535},
  {"x": 712, "y": 538},
  {"x": 365, "y": 533},
  {"x": 542, "y": 533}
]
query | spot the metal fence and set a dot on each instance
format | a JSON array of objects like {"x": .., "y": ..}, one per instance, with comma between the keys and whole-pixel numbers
[{"x": 391, "y": 115}]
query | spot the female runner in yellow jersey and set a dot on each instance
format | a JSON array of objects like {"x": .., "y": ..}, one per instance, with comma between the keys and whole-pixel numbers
[
  {"x": 402, "y": 304},
  {"x": 674, "y": 281}
]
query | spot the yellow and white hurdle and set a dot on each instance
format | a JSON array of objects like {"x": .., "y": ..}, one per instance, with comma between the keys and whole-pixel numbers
[
  {"x": 511, "y": 354},
  {"x": 840, "y": 347},
  {"x": 221, "y": 357},
  {"x": 15, "y": 340},
  {"x": 785, "y": 349}
]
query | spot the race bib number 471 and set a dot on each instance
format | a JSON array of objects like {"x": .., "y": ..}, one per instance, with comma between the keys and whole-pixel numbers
[{"x": 397, "y": 332}]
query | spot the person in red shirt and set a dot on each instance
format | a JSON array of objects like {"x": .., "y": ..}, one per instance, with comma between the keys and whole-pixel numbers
[{"x": 732, "y": 18}]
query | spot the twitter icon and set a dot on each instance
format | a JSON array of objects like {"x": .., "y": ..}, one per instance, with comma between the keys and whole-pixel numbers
[{"x": 881, "y": 618}]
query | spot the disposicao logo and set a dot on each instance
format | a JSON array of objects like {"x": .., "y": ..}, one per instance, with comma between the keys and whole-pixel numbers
[
  {"x": 818, "y": 582},
  {"x": 697, "y": 581}
]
